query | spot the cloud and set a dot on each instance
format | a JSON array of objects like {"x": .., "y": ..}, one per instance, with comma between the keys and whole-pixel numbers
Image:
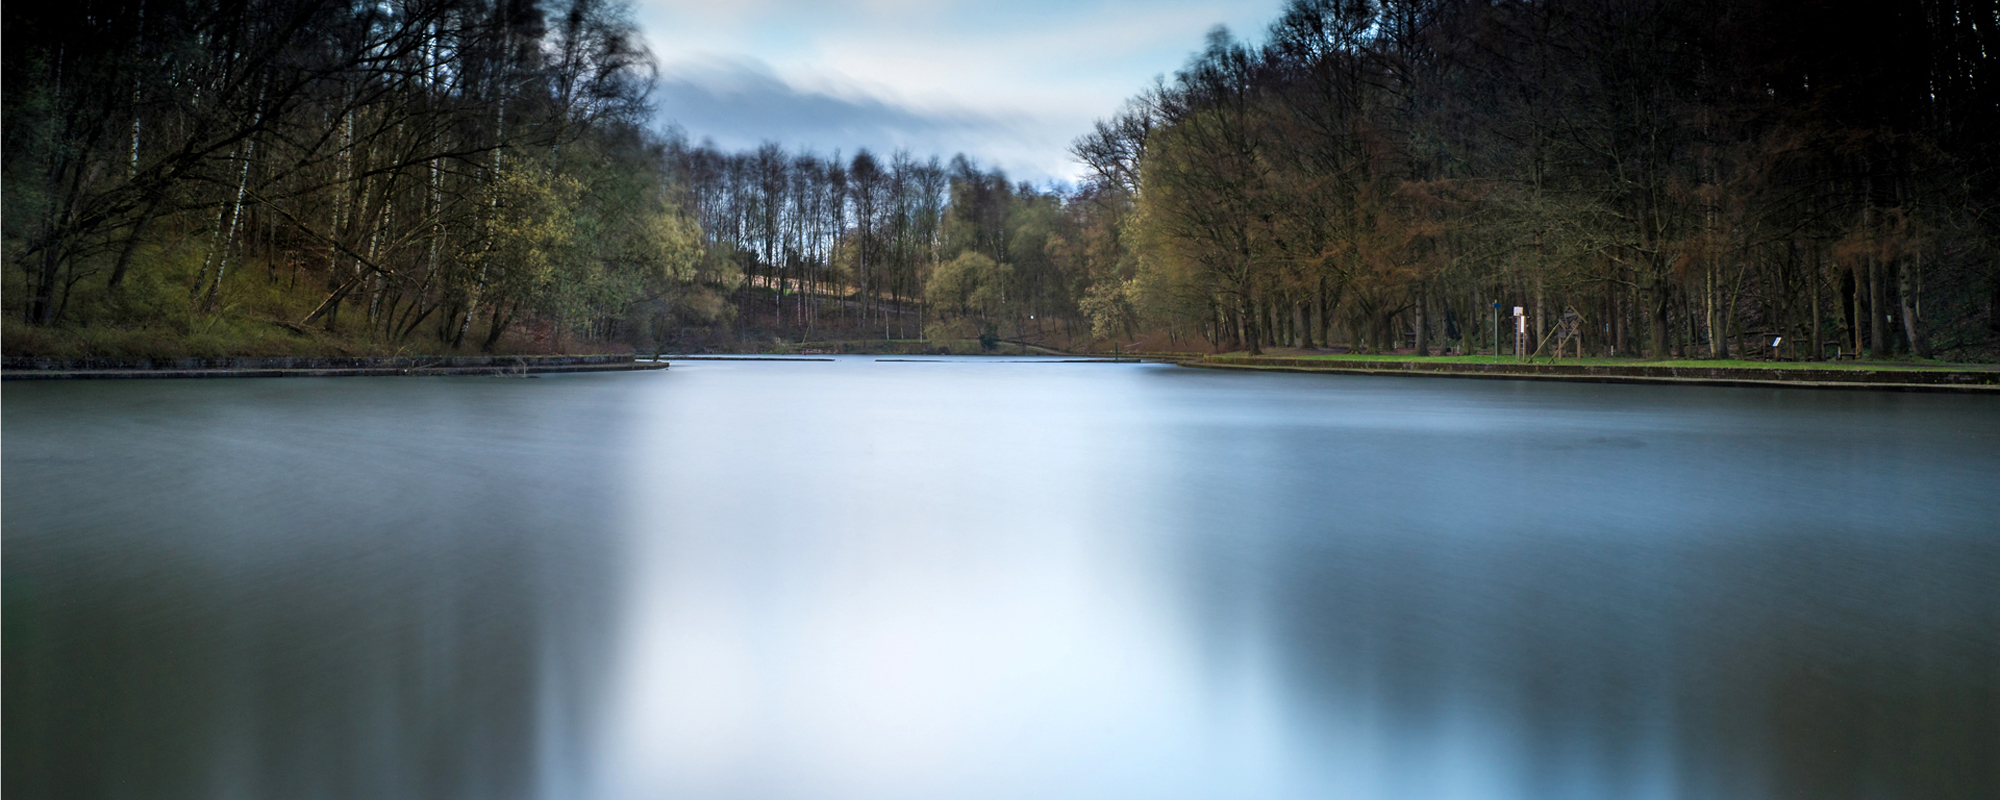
[
  {"x": 1009, "y": 84},
  {"x": 741, "y": 102}
]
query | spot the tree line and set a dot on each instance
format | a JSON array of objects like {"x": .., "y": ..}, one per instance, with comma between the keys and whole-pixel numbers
[
  {"x": 1641, "y": 177},
  {"x": 1694, "y": 179},
  {"x": 1680, "y": 178},
  {"x": 437, "y": 174},
  {"x": 407, "y": 171},
  {"x": 879, "y": 247}
]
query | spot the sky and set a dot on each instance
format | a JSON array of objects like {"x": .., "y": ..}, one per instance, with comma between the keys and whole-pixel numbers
[{"x": 1010, "y": 84}]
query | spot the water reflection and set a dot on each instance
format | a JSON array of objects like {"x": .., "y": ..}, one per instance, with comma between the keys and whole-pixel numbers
[
  {"x": 303, "y": 588},
  {"x": 1348, "y": 588},
  {"x": 1596, "y": 591},
  {"x": 915, "y": 595},
  {"x": 975, "y": 579}
]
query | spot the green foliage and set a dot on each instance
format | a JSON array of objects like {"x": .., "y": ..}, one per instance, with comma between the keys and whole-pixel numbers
[
  {"x": 1901, "y": 363},
  {"x": 1382, "y": 172},
  {"x": 1109, "y": 308},
  {"x": 214, "y": 180},
  {"x": 531, "y": 248},
  {"x": 971, "y": 286}
]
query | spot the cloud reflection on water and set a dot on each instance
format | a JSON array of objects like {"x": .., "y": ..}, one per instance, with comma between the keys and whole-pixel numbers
[
  {"x": 977, "y": 579},
  {"x": 1374, "y": 590}
]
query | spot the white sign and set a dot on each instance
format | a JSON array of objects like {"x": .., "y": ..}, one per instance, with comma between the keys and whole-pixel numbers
[
  {"x": 1520, "y": 324},
  {"x": 1517, "y": 311}
]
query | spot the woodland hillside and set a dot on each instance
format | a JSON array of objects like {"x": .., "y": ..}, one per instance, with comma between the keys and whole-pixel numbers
[{"x": 1687, "y": 179}]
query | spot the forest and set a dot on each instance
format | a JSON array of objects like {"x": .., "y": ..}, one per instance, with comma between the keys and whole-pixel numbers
[
  {"x": 888, "y": 248},
  {"x": 1641, "y": 177},
  {"x": 305, "y": 176},
  {"x": 1691, "y": 179}
]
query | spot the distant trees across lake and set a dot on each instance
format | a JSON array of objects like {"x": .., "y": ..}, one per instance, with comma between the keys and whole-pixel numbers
[
  {"x": 1693, "y": 179},
  {"x": 886, "y": 247}
]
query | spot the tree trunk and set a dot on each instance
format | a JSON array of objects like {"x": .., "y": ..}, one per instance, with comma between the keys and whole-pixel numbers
[
  {"x": 1541, "y": 311},
  {"x": 42, "y": 305},
  {"x": 1250, "y": 333},
  {"x": 1267, "y": 323},
  {"x": 1857, "y": 313},
  {"x": 1423, "y": 341},
  {"x": 1878, "y": 330},
  {"x": 1818, "y": 339},
  {"x": 1621, "y": 325},
  {"x": 1325, "y": 312},
  {"x": 1906, "y": 291},
  {"x": 235, "y": 221},
  {"x": 1657, "y": 326},
  {"x": 496, "y": 327},
  {"x": 117, "y": 279},
  {"x": 1718, "y": 344}
]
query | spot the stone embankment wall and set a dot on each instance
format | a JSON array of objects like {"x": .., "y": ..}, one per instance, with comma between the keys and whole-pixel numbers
[
  {"x": 1885, "y": 378},
  {"x": 87, "y": 368}
]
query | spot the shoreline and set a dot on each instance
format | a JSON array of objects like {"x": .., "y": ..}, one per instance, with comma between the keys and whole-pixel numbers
[
  {"x": 1930, "y": 379},
  {"x": 1972, "y": 381},
  {"x": 43, "y": 369}
]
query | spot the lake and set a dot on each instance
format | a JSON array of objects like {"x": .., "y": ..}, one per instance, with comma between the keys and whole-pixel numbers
[{"x": 975, "y": 579}]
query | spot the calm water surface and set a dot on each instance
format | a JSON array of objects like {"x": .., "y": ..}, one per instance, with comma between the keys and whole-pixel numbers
[{"x": 971, "y": 579}]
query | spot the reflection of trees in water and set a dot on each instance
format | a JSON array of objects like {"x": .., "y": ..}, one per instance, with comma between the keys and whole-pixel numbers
[
  {"x": 347, "y": 593},
  {"x": 1736, "y": 662}
]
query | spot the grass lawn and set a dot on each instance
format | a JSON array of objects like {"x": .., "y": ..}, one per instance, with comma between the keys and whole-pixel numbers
[{"x": 1900, "y": 363}]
